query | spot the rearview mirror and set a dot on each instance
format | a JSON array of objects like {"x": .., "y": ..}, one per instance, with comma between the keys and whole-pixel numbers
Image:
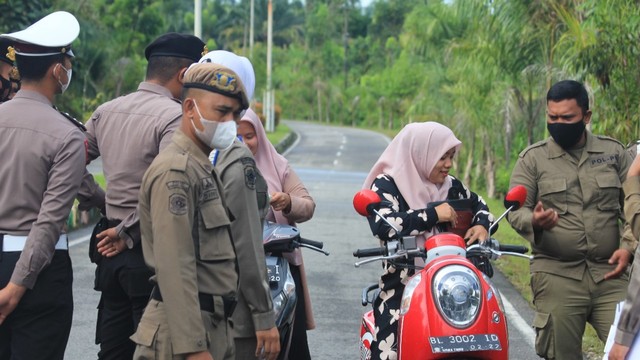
[
  {"x": 365, "y": 201},
  {"x": 515, "y": 198}
]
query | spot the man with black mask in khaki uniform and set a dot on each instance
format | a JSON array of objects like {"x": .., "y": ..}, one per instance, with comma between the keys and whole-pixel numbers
[
  {"x": 572, "y": 217},
  {"x": 128, "y": 133},
  {"x": 186, "y": 233},
  {"x": 40, "y": 175}
]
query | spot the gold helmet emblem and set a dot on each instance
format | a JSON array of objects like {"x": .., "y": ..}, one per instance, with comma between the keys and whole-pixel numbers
[{"x": 11, "y": 53}]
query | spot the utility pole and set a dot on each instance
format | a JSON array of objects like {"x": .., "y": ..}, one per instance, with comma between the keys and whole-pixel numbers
[
  {"x": 345, "y": 38},
  {"x": 251, "y": 19},
  {"x": 270, "y": 98},
  {"x": 197, "y": 20}
]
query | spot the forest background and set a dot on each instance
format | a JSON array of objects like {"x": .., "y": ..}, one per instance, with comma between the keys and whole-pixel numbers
[{"x": 481, "y": 67}]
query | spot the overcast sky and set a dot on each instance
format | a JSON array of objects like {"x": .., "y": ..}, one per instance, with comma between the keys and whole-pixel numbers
[{"x": 365, "y": 3}]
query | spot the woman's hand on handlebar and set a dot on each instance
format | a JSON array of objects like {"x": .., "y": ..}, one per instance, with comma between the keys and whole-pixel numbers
[
  {"x": 475, "y": 233},
  {"x": 446, "y": 213}
]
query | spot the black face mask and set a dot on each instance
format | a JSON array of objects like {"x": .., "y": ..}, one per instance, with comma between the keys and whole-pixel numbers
[
  {"x": 5, "y": 89},
  {"x": 566, "y": 135}
]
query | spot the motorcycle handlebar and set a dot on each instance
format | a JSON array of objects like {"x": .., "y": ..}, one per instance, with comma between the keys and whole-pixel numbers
[
  {"x": 318, "y": 244},
  {"x": 514, "y": 248},
  {"x": 379, "y": 251}
]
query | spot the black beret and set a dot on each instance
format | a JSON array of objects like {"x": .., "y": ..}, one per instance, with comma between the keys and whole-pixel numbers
[
  {"x": 5, "y": 54},
  {"x": 176, "y": 45}
]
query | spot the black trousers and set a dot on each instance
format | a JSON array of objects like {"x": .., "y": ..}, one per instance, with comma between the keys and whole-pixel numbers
[
  {"x": 124, "y": 283},
  {"x": 299, "y": 349},
  {"x": 39, "y": 326}
]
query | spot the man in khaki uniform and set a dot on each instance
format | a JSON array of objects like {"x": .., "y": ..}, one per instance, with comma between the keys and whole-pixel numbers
[
  {"x": 128, "y": 133},
  {"x": 41, "y": 172},
  {"x": 572, "y": 218},
  {"x": 186, "y": 234},
  {"x": 629, "y": 322},
  {"x": 255, "y": 332}
]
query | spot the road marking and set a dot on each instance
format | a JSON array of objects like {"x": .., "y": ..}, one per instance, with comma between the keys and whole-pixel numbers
[
  {"x": 518, "y": 322},
  {"x": 79, "y": 240}
]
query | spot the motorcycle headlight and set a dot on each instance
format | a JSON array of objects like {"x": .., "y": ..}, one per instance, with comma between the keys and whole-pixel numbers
[
  {"x": 457, "y": 292},
  {"x": 411, "y": 286},
  {"x": 281, "y": 299}
]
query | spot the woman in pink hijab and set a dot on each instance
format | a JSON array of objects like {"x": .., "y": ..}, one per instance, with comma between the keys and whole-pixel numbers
[
  {"x": 411, "y": 173},
  {"x": 290, "y": 204}
]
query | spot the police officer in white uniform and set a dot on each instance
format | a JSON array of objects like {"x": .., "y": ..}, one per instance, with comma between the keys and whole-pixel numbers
[
  {"x": 42, "y": 168},
  {"x": 9, "y": 76}
]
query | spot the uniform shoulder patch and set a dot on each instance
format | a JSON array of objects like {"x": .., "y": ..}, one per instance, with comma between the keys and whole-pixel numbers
[
  {"x": 178, "y": 204},
  {"x": 533, "y": 146},
  {"x": 178, "y": 184},
  {"x": 249, "y": 165},
  {"x": 248, "y": 161}
]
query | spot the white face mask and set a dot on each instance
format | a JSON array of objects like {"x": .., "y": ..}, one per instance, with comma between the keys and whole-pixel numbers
[
  {"x": 69, "y": 73},
  {"x": 217, "y": 135}
]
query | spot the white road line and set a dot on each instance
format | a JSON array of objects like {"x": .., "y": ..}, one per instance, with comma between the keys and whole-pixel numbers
[
  {"x": 79, "y": 240},
  {"x": 519, "y": 323}
]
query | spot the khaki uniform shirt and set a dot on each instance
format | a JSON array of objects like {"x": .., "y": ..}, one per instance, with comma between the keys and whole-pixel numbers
[
  {"x": 239, "y": 176},
  {"x": 43, "y": 162},
  {"x": 128, "y": 133},
  {"x": 186, "y": 238},
  {"x": 586, "y": 193},
  {"x": 629, "y": 323}
]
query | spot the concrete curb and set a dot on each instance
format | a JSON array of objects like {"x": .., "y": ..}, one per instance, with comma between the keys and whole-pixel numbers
[{"x": 286, "y": 143}]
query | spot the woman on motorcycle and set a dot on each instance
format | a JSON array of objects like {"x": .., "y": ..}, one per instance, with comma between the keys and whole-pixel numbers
[
  {"x": 412, "y": 172},
  {"x": 290, "y": 204}
]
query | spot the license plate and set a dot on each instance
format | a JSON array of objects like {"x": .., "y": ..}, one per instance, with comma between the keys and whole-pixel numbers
[{"x": 464, "y": 343}]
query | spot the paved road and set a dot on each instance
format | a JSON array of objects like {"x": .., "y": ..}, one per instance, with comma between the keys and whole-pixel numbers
[{"x": 332, "y": 163}]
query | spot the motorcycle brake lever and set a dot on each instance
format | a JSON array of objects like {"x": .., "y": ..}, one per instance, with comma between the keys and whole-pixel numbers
[
  {"x": 366, "y": 261},
  {"x": 315, "y": 249},
  {"x": 501, "y": 253}
]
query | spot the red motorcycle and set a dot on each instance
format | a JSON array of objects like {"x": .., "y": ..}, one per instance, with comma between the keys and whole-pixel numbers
[{"x": 449, "y": 309}]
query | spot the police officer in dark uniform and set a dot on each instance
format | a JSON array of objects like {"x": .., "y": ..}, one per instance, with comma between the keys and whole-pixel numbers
[
  {"x": 9, "y": 76},
  {"x": 128, "y": 133},
  {"x": 42, "y": 168}
]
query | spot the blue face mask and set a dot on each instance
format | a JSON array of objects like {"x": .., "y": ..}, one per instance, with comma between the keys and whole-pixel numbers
[{"x": 566, "y": 135}]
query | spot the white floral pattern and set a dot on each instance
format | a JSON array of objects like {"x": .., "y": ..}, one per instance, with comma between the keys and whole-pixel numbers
[{"x": 409, "y": 222}]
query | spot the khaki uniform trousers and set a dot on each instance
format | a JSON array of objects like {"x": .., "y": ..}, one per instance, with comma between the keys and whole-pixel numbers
[
  {"x": 154, "y": 340},
  {"x": 564, "y": 306}
]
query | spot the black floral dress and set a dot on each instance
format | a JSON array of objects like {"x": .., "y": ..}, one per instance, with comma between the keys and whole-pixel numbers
[{"x": 410, "y": 222}]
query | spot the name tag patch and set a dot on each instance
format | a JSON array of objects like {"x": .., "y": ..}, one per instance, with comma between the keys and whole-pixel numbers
[
  {"x": 209, "y": 190},
  {"x": 597, "y": 160}
]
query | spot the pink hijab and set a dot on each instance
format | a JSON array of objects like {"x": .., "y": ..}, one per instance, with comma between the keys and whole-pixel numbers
[
  {"x": 273, "y": 166},
  {"x": 410, "y": 158}
]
